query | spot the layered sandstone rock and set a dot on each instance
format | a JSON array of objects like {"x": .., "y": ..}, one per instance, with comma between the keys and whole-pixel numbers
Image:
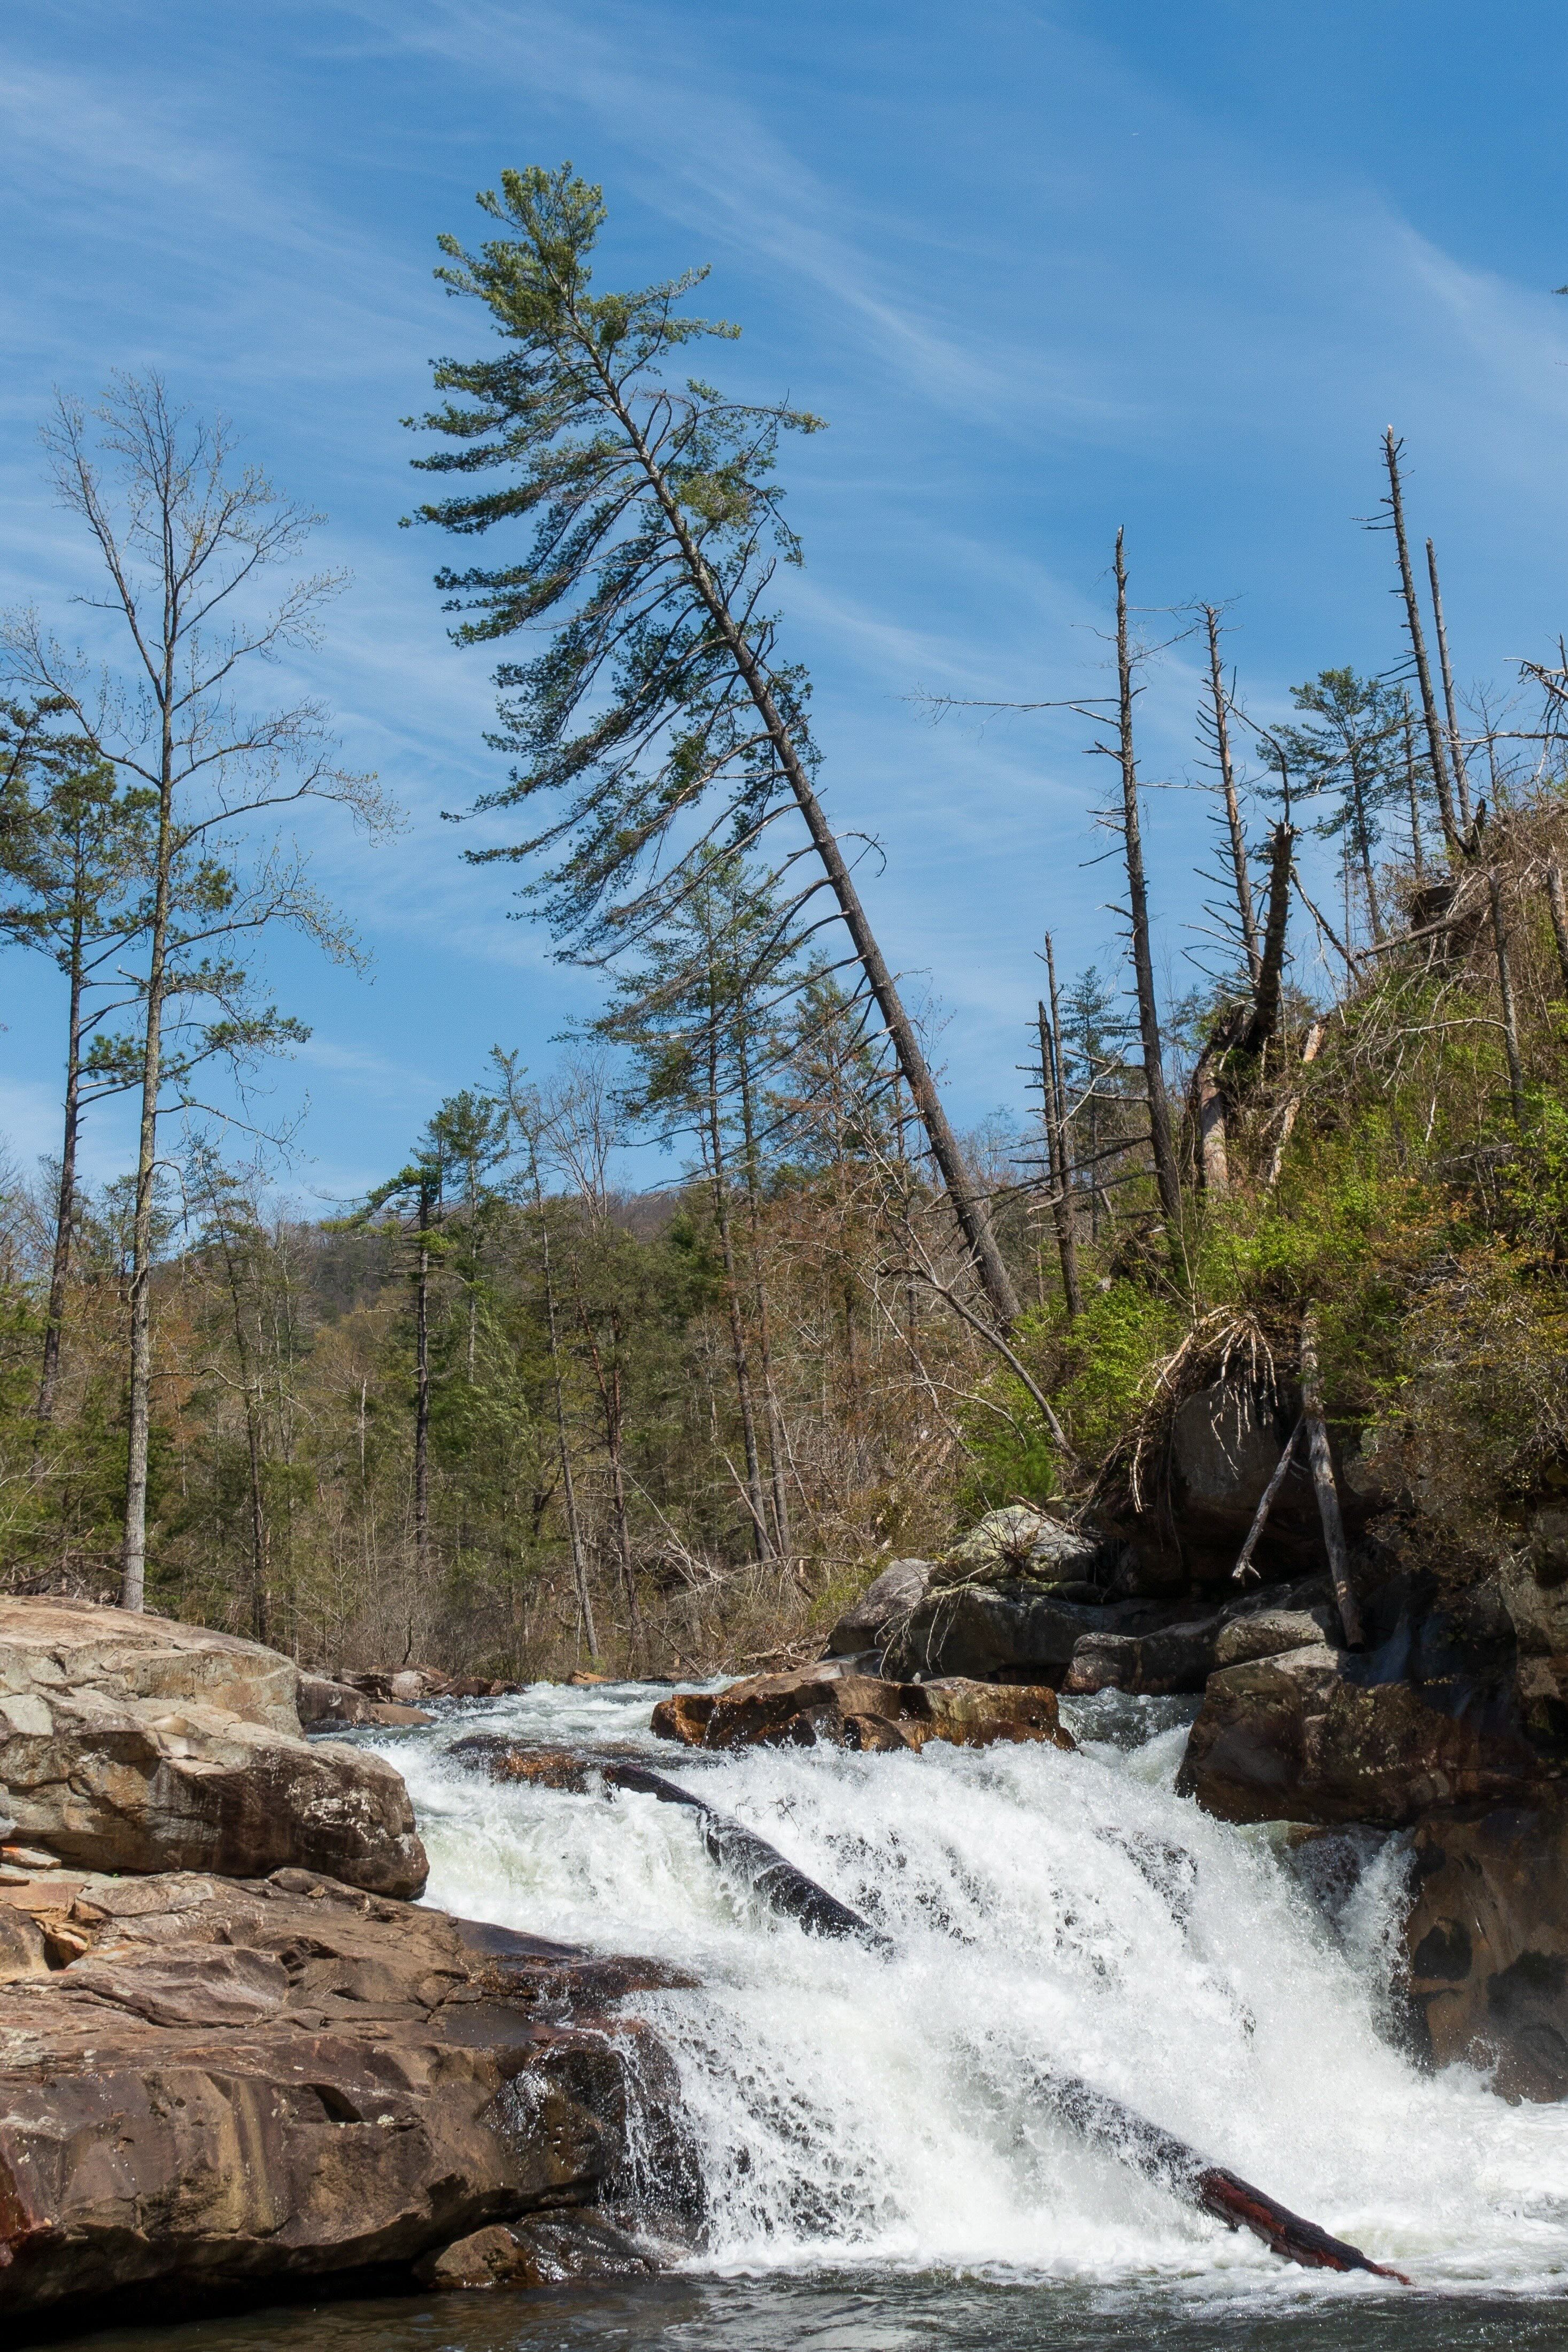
[
  {"x": 133, "y": 1743},
  {"x": 860, "y": 1711},
  {"x": 208, "y": 2084}
]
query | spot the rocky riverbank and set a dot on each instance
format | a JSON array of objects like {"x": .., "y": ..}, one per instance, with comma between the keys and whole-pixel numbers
[
  {"x": 1444, "y": 1722},
  {"x": 234, "y": 2054}
]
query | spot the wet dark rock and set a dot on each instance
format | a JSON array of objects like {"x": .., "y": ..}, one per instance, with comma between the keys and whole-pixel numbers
[
  {"x": 323, "y": 1703},
  {"x": 1486, "y": 1940},
  {"x": 1381, "y": 1737},
  {"x": 244, "y": 2083},
  {"x": 558, "y": 2249},
  {"x": 1180, "y": 1658}
]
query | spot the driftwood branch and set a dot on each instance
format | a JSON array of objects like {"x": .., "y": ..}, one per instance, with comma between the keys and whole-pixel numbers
[
  {"x": 1244, "y": 1568},
  {"x": 735, "y": 1847},
  {"x": 1224, "y": 2194}
]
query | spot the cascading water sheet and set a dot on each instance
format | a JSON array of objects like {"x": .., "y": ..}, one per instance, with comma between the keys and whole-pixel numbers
[{"x": 1050, "y": 1914}]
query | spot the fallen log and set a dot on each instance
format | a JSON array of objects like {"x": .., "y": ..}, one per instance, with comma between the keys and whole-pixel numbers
[
  {"x": 733, "y": 1846},
  {"x": 1218, "y": 2191}
]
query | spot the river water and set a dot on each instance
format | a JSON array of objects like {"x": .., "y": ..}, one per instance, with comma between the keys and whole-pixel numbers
[{"x": 881, "y": 2172}]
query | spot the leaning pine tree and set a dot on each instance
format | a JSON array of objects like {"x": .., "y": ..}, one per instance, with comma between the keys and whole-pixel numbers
[{"x": 658, "y": 708}]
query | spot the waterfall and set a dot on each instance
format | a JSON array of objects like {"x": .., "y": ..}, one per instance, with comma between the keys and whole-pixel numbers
[{"x": 1050, "y": 1913}]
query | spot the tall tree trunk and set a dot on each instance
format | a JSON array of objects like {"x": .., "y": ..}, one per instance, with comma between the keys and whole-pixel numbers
[
  {"x": 1052, "y": 1094},
  {"x": 1167, "y": 1179},
  {"x": 970, "y": 1210},
  {"x": 568, "y": 1484},
  {"x": 738, "y": 1354},
  {"x": 1559, "y": 906},
  {"x": 421, "y": 1385},
  {"x": 66, "y": 1198},
  {"x": 1419, "y": 643},
  {"x": 1243, "y": 879},
  {"x": 1505, "y": 992},
  {"x": 1266, "y": 1004},
  {"x": 133, "y": 1555},
  {"x": 1364, "y": 846},
  {"x": 777, "y": 1456},
  {"x": 1411, "y": 789},
  {"x": 1456, "y": 741}
]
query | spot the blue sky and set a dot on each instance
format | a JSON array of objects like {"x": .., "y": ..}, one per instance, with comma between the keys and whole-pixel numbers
[{"x": 1047, "y": 270}]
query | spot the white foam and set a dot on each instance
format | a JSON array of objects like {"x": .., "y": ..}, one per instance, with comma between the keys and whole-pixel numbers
[{"x": 852, "y": 2109}]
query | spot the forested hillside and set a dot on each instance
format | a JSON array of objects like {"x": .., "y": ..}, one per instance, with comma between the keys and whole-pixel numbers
[{"x": 501, "y": 1415}]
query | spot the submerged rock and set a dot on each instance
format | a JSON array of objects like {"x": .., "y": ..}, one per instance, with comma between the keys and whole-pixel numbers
[
  {"x": 133, "y": 1744},
  {"x": 1487, "y": 1940},
  {"x": 860, "y": 1711},
  {"x": 230, "y": 2085}
]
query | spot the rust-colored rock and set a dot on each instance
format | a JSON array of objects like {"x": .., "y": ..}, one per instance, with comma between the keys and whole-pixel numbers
[
  {"x": 818, "y": 1703},
  {"x": 285, "y": 2078},
  {"x": 684, "y": 1717},
  {"x": 134, "y": 1744},
  {"x": 1486, "y": 1940}
]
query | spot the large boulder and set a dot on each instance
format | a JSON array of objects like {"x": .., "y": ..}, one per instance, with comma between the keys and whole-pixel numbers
[
  {"x": 1021, "y": 1545},
  {"x": 216, "y": 2086},
  {"x": 815, "y": 1707},
  {"x": 868, "y": 1621},
  {"x": 131, "y": 1743},
  {"x": 1486, "y": 1943},
  {"x": 1316, "y": 1735}
]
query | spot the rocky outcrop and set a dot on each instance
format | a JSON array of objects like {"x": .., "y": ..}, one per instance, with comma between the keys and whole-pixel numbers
[
  {"x": 210, "y": 2085},
  {"x": 860, "y": 1711},
  {"x": 1318, "y": 1735},
  {"x": 1180, "y": 1658},
  {"x": 1487, "y": 1938},
  {"x": 135, "y": 1744}
]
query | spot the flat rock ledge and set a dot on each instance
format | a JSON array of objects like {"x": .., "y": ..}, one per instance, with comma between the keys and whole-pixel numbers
[{"x": 211, "y": 2086}]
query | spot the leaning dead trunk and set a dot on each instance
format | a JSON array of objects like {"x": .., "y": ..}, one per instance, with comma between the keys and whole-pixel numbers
[
  {"x": 1167, "y": 1179},
  {"x": 1419, "y": 643},
  {"x": 1320, "y": 1457},
  {"x": 1505, "y": 993},
  {"x": 1246, "y": 919}
]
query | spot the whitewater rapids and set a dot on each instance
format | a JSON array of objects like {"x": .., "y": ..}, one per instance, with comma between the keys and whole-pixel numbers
[{"x": 1051, "y": 1913}]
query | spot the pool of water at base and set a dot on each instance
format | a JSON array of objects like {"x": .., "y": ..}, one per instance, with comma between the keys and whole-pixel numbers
[{"x": 854, "y": 2313}]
